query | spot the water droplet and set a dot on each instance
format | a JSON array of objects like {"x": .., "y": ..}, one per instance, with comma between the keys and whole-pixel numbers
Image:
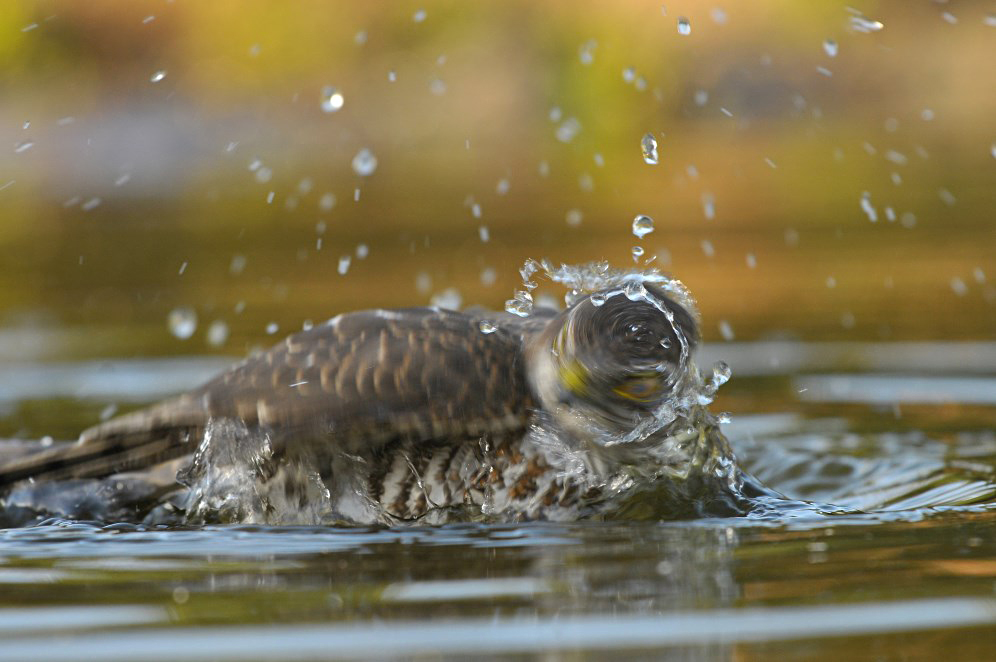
[
  {"x": 487, "y": 327},
  {"x": 629, "y": 74},
  {"x": 392, "y": 76},
  {"x": 865, "y": 25},
  {"x": 949, "y": 17},
  {"x": 555, "y": 114},
  {"x": 599, "y": 159},
  {"x": 574, "y": 217},
  {"x": 751, "y": 260},
  {"x": 635, "y": 291},
  {"x": 521, "y": 305},
  {"x": 272, "y": 328},
  {"x": 108, "y": 411},
  {"x": 709, "y": 205},
  {"x": 437, "y": 87},
  {"x": 484, "y": 234},
  {"x": 488, "y": 276},
  {"x": 586, "y": 182},
  {"x": 684, "y": 26},
  {"x": 23, "y": 147},
  {"x": 217, "y": 333},
  {"x": 364, "y": 163},
  {"x": 597, "y": 299},
  {"x": 959, "y": 287},
  {"x": 344, "y": 264},
  {"x": 947, "y": 197},
  {"x": 91, "y": 204},
  {"x": 526, "y": 272},
  {"x": 648, "y": 145},
  {"x": 567, "y": 131},
  {"x": 587, "y": 52},
  {"x": 707, "y": 248},
  {"x": 182, "y": 322},
  {"x": 332, "y": 99},
  {"x": 158, "y": 76},
  {"x": 718, "y": 15},
  {"x": 868, "y": 208},
  {"x": 237, "y": 265},
  {"x": 830, "y": 47},
  {"x": 701, "y": 97},
  {"x": 642, "y": 226},
  {"x": 721, "y": 373},
  {"x": 362, "y": 251},
  {"x": 423, "y": 282},
  {"x": 831, "y": 282},
  {"x": 726, "y": 330},
  {"x": 637, "y": 253},
  {"x": 502, "y": 187},
  {"x": 896, "y": 157},
  {"x": 419, "y": 15},
  {"x": 475, "y": 210},
  {"x": 544, "y": 169},
  {"x": 264, "y": 174},
  {"x": 449, "y": 298},
  {"x": 326, "y": 202}
]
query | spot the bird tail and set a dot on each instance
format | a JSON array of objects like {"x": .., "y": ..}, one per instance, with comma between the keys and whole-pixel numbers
[
  {"x": 93, "y": 458},
  {"x": 137, "y": 440}
]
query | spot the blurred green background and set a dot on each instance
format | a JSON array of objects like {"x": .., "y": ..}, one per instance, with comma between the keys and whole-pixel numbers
[{"x": 176, "y": 155}]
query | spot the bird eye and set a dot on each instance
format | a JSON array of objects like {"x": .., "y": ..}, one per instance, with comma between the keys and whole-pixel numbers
[{"x": 640, "y": 389}]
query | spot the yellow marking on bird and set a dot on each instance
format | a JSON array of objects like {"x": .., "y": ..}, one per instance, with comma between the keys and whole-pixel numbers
[{"x": 573, "y": 376}]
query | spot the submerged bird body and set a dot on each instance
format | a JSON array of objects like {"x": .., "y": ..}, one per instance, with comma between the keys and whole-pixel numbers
[{"x": 421, "y": 415}]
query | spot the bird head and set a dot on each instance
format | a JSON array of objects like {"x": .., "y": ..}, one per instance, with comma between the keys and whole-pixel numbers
[{"x": 617, "y": 362}]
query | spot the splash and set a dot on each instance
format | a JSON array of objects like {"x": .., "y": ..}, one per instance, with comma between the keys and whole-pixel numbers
[{"x": 678, "y": 441}]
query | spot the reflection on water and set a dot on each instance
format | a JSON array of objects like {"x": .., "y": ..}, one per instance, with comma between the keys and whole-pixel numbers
[{"x": 697, "y": 589}]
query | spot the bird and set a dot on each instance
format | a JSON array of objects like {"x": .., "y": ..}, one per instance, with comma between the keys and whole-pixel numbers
[{"x": 424, "y": 415}]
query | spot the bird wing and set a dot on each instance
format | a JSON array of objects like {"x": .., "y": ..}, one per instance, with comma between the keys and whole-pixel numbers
[{"x": 359, "y": 380}]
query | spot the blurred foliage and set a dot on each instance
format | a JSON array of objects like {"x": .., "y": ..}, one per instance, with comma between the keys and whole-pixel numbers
[{"x": 125, "y": 197}]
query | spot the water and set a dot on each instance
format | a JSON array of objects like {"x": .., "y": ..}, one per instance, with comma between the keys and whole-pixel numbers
[
  {"x": 364, "y": 163},
  {"x": 913, "y": 573},
  {"x": 648, "y": 145},
  {"x": 332, "y": 99},
  {"x": 642, "y": 226},
  {"x": 182, "y": 322}
]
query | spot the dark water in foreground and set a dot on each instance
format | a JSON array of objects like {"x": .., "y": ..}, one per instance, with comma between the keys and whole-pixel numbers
[{"x": 905, "y": 445}]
